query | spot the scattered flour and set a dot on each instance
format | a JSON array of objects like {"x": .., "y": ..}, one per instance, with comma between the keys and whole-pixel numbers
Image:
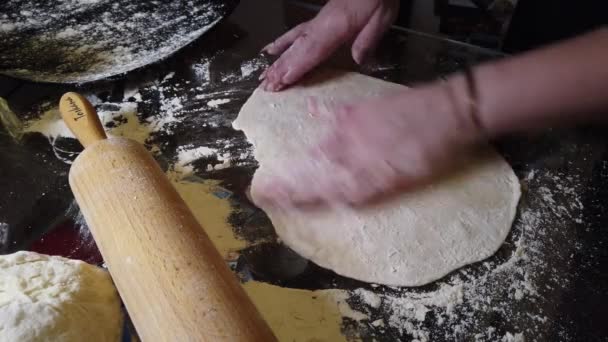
[
  {"x": 186, "y": 155},
  {"x": 217, "y": 102},
  {"x": 3, "y": 234},
  {"x": 124, "y": 118},
  {"x": 249, "y": 67},
  {"x": 131, "y": 93},
  {"x": 121, "y": 120},
  {"x": 369, "y": 298},
  {"x": 170, "y": 107},
  {"x": 7, "y": 27},
  {"x": 225, "y": 162},
  {"x": 502, "y": 285},
  {"x": 201, "y": 71},
  {"x": 88, "y": 2},
  {"x": 508, "y": 337},
  {"x": 67, "y": 33},
  {"x": 168, "y": 76}
]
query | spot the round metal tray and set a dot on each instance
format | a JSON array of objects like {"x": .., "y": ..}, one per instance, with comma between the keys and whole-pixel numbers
[{"x": 78, "y": 41}]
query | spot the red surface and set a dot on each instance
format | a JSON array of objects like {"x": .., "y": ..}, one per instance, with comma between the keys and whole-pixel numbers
[{"x": 67, "y": 240}]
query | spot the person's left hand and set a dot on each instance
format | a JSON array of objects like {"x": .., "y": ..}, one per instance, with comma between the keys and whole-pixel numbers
[{"x": 308, "y": 44}]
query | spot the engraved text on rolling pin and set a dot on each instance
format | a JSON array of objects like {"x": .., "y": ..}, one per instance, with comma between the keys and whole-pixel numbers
[{"x": 75, "y": 109}]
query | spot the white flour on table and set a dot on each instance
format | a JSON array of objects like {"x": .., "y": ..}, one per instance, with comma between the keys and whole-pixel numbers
[
  {"x": 188, "y": 154},
  {"x": 249, "y": 67},
  {"x": 3, "y": 234},
  {"x": 217, "y": 102}
]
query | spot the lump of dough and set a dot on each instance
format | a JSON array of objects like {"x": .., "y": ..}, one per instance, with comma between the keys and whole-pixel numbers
[
  {"x": 411, "y": 240},
  {"x": 50, "y": 298}
]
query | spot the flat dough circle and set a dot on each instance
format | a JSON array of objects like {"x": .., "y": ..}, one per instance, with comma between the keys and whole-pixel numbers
[
  {"x": 411, "y": 240},
  {"x": 50, "y": 298}
]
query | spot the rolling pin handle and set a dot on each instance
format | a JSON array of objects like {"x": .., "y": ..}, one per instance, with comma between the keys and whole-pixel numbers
[{"x": 81, "y": 118}]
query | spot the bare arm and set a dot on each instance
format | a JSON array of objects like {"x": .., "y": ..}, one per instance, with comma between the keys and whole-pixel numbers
[{"x": 560, "y": 84}]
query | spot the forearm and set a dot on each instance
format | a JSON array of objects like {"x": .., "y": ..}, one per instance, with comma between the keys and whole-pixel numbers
[{"x": 559, "y": 84}]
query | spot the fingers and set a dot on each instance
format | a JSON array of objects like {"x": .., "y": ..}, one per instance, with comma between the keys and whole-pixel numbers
[
  {"x": 284, "y": 42},
  {"x": 298, "y": 185},
  {"x": 307, "y": 181},
  {"x": 308, "y": 44},
  {"x": 323, "y": 175},
  {"x": 313, "y": 44},
  {"x": 372, "y": 32},
  {"x": 328, "y": 184},
  {"x": 330, "y": 174},
  {"x": 269, "y": 191},
  {"x": 371, "y": 180},
  {"x": 304, "y": 54}
]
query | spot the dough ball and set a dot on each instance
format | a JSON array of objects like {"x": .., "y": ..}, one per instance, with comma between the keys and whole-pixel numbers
[{"x": 50, "y": 298}]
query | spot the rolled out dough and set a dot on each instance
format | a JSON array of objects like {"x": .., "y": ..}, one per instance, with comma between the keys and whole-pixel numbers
[
  {"x": 50, "y": 298},
  {"x": 411, "y": 240}
]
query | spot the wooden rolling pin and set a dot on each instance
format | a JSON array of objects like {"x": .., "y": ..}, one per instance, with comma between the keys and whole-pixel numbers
[{"x": 175, "y": 284}]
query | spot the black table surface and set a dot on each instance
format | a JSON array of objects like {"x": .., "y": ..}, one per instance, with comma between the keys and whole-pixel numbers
[{"x": 564, "y": 174}]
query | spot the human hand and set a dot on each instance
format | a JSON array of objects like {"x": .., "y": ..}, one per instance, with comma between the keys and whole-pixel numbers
[
  {"x": 308, "y": 44},
  {"x": 374, "y": 148}
]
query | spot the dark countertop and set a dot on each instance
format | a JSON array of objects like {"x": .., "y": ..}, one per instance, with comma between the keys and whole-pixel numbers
[{"x": 561, "y": 224}]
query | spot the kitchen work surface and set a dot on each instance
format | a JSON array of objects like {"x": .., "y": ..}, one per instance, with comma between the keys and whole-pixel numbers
[{"x": 547, "y": 282}]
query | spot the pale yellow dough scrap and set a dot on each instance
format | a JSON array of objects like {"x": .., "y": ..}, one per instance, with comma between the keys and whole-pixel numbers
[{"x": 299, "y": 315}]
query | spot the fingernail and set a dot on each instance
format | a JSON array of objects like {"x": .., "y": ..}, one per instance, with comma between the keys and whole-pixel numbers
[
  {"x": 267, "y": 85},
  {"x": 286, "y": 78},
  {"x": 274, "y": 87},
  {"x": 265, "y": 48},
  {"x": 361, "y": 56}
]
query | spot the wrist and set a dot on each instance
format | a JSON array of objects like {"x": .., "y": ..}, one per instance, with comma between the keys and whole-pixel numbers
[{"x": 464, "y": 101}]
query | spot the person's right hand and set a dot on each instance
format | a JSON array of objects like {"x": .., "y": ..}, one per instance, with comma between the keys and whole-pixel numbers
[
  {"x": 373, "y": 148},
  {"x": 308, "y": 44}
]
